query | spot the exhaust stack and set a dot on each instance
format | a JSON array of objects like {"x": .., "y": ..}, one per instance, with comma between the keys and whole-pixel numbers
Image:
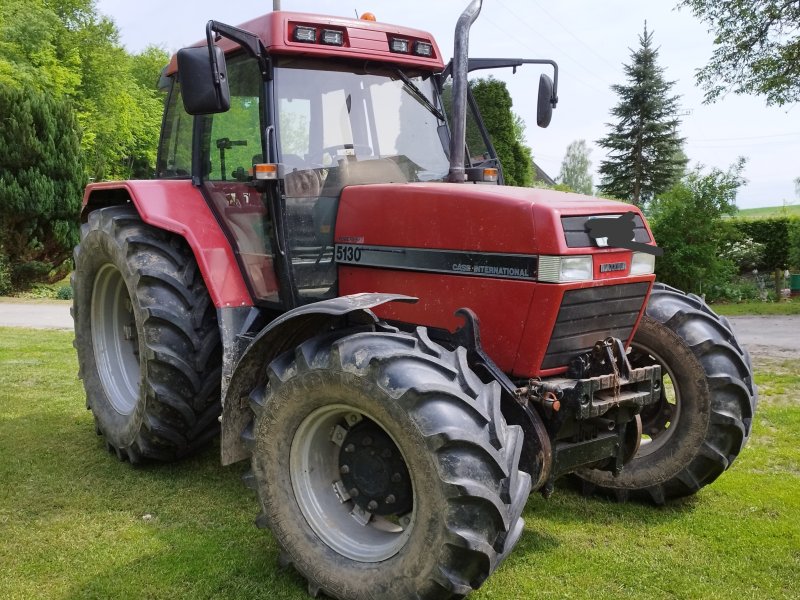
[{"x": 460, "y": 72}]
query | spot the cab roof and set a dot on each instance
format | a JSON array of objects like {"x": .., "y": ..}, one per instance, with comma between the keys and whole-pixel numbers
[{"x": 366, "y": 40}]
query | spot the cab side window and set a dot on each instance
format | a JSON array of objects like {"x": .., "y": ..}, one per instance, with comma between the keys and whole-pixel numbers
[
  {"x": 234, "y": 143},
  {"x": 175, "y": 147}
]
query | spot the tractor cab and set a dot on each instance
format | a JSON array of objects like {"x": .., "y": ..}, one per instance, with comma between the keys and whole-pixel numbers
[{"x": 305, "y": 107}]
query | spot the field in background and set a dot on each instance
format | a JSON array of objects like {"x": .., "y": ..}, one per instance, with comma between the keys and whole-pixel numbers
[
  {"x": 790, "y": 210},
  {"x": 76, "y": 523}
]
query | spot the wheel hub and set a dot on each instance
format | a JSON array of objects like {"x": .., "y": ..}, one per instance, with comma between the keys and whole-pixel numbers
[{"x": 373, "y": 471}]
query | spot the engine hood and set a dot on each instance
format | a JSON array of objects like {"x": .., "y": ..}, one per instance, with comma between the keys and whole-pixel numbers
[{"x": 481, "y": 218}]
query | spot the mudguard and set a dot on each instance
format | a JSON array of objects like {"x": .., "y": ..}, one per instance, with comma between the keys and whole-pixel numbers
[
  {"x": 281, "y": 335},
  {"x": 179, "y": 207}
]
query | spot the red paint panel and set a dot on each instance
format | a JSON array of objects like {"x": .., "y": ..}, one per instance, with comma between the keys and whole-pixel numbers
[
  {"x": 364, "y": 40},
  {"x": 179, "y": 207},
  {"x": 501, "y": 304},
  {"x": 483, "y": 218},
  {"x": 436, "y": 215}
]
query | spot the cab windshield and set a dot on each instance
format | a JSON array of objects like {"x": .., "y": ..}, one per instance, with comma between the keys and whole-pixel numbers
[
  {"x": 338, "y": 126},
  {"x": 332, "y": 116}
]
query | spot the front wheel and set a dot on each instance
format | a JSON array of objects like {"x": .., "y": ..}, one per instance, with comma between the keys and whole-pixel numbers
[
  {"x": 702, "y": 419},
  {"x": 384, "y": 467}
]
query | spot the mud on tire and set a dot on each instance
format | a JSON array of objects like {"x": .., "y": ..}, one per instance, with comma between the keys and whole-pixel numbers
[
  {"x": 700, "y": 436},
  {"x": 147, "y": 338},
  {"x": 462, "y": 462}
]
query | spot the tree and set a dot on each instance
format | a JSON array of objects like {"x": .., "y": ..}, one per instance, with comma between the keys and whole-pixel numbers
[
  {"x": 756, "y": 48},
  {"x": 41, "y": 184},
  {"x": 687, "y": 222},
  {"x": 66, "y": 49},
  {"x": 575, "y": 168},
  {"x": 506, "y": 130},
  {"x": 644, "y": 158}
]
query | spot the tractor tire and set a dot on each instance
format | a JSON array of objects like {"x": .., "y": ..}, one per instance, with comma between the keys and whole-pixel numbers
[
  {"x": 697, "y": 429},
  {"x": 431, "y": 500},
  {"x": 146, "y": 333}
]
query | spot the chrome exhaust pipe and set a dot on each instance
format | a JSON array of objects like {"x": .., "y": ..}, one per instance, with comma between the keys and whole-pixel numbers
[{"x": 460, "y": 73}]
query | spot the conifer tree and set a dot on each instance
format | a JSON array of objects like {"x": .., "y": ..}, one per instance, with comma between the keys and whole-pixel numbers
[
  {"x": 41, "y": 185},
  {"x": 506, "y": 130},
  {"x": 644, "y": 157}
]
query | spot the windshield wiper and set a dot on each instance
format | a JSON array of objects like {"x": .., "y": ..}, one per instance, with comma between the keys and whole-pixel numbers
[{"x": 418, "y": 95}]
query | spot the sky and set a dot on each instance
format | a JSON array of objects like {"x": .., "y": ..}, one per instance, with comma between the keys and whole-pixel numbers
[{"x": 590, "y": 41}]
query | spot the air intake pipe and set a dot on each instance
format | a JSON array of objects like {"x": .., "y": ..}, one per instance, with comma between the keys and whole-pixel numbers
[{"x": 458, "y": 140}]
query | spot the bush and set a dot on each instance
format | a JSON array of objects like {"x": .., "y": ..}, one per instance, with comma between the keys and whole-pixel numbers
[
  {"x": 5, "y": 274},
  {"x": 687, "y": 222},
  {"x": 743, "y": 252},
  {"x": 780, "y": 237},
  {"x": 64, "y": 292},
  {"x": 794, "y": 245},
  {"x": 41, "y": 184},
  {"x": 737, "y": 291}
]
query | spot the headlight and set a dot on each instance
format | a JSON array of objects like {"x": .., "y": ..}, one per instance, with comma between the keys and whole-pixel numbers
[
  {"x": 643, "y": 263},
  {"x": 560, "y": 269}
]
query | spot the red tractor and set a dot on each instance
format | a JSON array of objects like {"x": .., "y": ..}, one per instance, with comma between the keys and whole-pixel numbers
[{"x": 403, "y": 348}]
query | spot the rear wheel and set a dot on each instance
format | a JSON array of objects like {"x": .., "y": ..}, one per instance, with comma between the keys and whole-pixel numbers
[
  {"x": 384, "y": 467},
  {"x": 147, "y": 338},
  {"x": 703, "y": 417}
]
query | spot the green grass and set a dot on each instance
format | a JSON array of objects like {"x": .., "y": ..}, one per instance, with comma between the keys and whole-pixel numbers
[
  {"x": 759, "y": 308},
  {"x": 76, "y": 523},
  {"x": 789, "y": 210}
]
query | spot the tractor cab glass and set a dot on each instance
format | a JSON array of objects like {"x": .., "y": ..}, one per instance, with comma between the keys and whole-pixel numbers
[
  {"x": 231, "y": 144},
  {"x": 340, "y": 125}
]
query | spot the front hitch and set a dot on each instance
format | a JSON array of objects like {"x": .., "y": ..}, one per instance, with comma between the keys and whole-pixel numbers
[{"x": 593, "y": 419}]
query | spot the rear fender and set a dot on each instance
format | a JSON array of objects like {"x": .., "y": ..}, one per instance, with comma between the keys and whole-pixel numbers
[
  {"x": 282, "y": 335},
  {"x": 179, "y": 207}
]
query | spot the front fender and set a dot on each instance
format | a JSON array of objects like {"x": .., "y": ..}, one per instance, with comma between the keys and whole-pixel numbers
[{"x": 281, "y": 335}]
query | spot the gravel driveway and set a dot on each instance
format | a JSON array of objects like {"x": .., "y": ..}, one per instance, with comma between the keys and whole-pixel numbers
[
  {"x": 777, "y": 336},
  {"x": 39, "y": 315}
]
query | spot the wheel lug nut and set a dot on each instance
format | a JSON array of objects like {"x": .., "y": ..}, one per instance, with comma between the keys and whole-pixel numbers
[
  {"x": 367, "y": 441},
  {"x": 396, "y": 478},
  {"x": 344, "y": 469},
  {"x": 353, "y": 492},
  {"x": 390, "y": 499},
  {"x": 372, "y": 505},
  {"x": 349, "y": 448}
]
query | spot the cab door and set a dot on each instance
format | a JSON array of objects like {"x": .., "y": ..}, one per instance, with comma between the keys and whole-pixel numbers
[{"x": 231, "y": 143}]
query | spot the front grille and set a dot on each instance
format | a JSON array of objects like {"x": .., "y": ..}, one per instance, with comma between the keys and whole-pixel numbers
[
  {"x": 576, "y": 235},
  {"x": 592, "y": 314}
]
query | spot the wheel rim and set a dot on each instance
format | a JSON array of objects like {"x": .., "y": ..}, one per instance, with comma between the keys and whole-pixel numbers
[
  {"x": 116, "y": 346},
  {"x": 317, "y": 465},
  {"x": 660, "y": 420}
]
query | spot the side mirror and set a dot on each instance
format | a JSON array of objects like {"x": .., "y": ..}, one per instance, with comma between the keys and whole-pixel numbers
[
  {"x": 544, "y": 108},
  {"x": 203, "y": 76}
]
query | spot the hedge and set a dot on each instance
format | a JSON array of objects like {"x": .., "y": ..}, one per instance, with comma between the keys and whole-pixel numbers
[{"x": 780, "y": 237}]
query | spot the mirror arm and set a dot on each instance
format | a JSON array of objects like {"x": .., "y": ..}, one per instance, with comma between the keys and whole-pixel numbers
[
  {"x": 249, "y": 41},
  {"x": 212, "y": 56},
  {"x": 477, "y": 64}
]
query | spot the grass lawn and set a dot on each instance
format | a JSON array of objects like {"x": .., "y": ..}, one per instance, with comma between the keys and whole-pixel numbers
[
  {"x": 76, "y": 523},
  {"x": 759, "y": 308}
]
